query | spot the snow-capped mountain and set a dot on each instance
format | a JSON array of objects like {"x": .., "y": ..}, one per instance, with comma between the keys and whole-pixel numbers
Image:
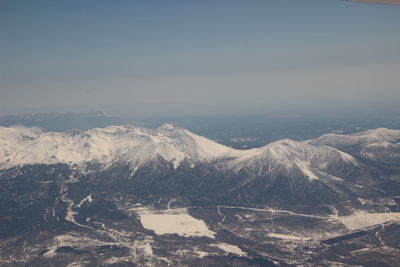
[
  {"x": 293, "y": 155},
  {"x": 137, "y": 146},
  {"x": 361, "y": 138},
  {"x": 133, "y": 145},
  {"x": 175, "y": 161},
  {"x": 130, "y": 194},
  {"x": 380, "y": 145}
]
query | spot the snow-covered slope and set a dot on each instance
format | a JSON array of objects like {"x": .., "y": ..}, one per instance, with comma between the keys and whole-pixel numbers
[
  {"x": 361, "y": 138},
  {"x": 383, "y": 152},
  {"x": 134, "y": 145},
  {"x": 288, "y": 154},
  {"x": 379, "y": 145}
]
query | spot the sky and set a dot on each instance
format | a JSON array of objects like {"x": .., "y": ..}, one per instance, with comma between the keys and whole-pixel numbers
[{"x": 191, "y": 57}]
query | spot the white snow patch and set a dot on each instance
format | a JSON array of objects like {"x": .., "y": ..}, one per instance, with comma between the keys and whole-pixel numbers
[
  {"x": 362, "y": 219},
  {"x": 201, "y": 254},
  {"x": 78, "y": 264},
  {"x": 74, "y": 240},
  {"x": 304, "y": 167},
  {"x": 174, "y": 221},
  {"x": 114, "y": 260},
  {"x": 86, "y": 199},
  {"x": 361, "y": 250},
  {"x": 363, "y": 201},
  {"x": 208, "y": 148},
  {"x": 230, "y": 249},
  {"x": 289, "y": 237},
  {"x": 148, "y": 249}
]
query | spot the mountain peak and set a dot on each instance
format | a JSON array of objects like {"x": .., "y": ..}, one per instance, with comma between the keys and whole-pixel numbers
[
  {"x": 365, "y": 137},
  {"x": 136, "y": 146},
  {"x": 167, "y": 126},
  {"x": 133, "y": 145}
]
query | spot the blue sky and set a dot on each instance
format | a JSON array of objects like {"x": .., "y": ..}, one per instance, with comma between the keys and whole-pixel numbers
[{"x": 198, "y": 56}]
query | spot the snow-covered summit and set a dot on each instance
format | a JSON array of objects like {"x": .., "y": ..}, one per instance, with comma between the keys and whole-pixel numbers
[
  {"x": 288, "y": 155},
  {"x": 136, "y": 146},
  {"x": 366, "y": 137},
  {"x": 20, "y": 145}
]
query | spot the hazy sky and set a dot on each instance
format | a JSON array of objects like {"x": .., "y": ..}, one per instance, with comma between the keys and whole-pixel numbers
[{"x": 174, "y": 57}]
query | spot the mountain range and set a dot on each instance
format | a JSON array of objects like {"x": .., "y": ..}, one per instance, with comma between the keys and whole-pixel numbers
[{"x": 87, "y": 182}]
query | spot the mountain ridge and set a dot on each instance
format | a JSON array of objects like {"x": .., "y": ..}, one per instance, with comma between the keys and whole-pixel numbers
[
  {"x": 21, "y": 145},
  {"x": 82, "y": 194}
]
